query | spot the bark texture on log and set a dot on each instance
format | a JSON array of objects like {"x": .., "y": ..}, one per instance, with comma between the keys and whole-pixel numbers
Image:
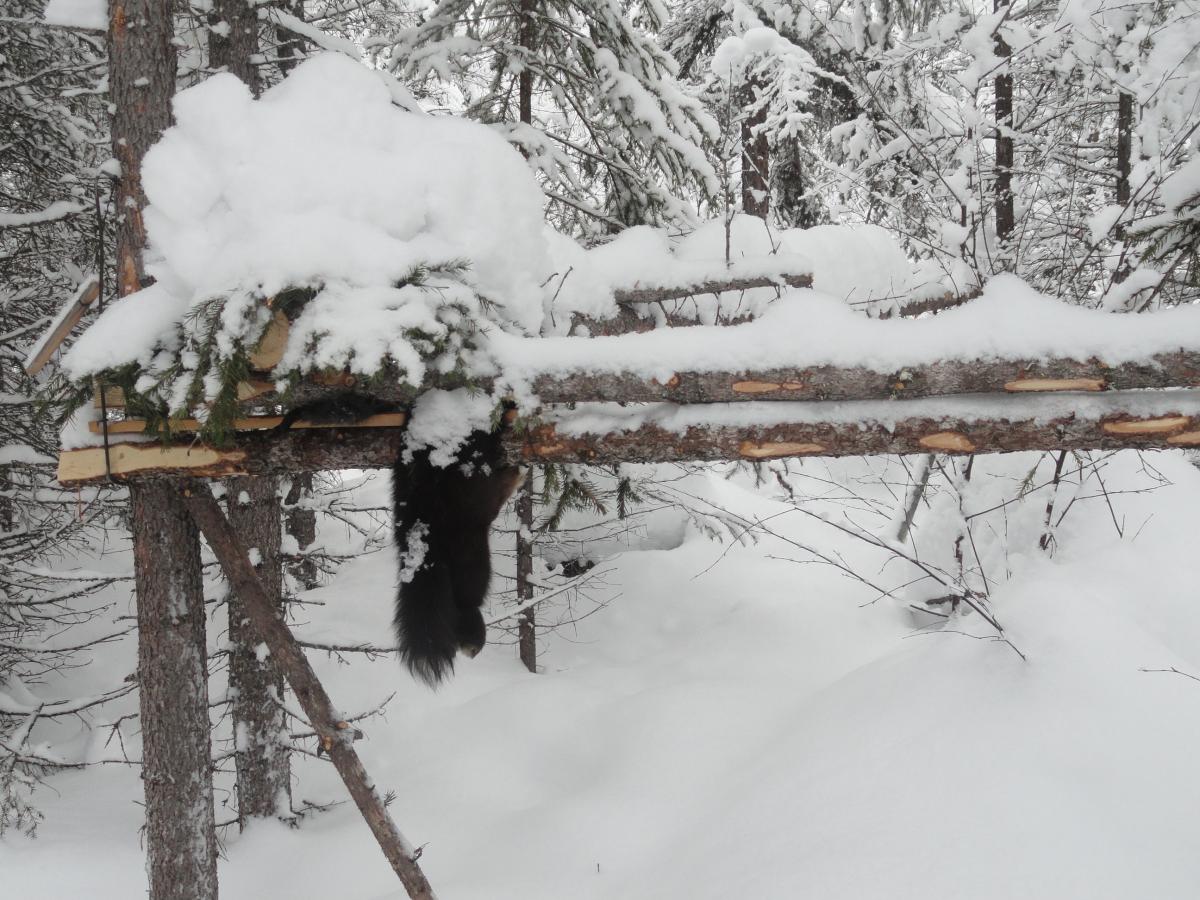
[
  {"x": 1123, "y": 421},
  {"x": 334, "y": 734},
  {"x": 261, "y": 757},
  {"x": 173, "y": 697}
]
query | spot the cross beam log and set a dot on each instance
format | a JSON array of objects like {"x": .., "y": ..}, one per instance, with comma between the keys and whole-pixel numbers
[
  {"x": 698, "y": 433},
  {"x": 334, "y": 735},
  {"x": 1180, "y": 369}
]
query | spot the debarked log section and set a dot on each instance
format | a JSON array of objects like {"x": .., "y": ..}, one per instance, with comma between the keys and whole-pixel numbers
[{"x": 264, "y": 453}]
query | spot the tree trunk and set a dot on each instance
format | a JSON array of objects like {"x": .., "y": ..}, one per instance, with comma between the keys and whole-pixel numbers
[
  {"x": 261, "y": 755},
  {"x": 292, "y": 46},
  {"x": 181, "y": 844},
  {"x": 233, "y": 40},
  {"x": 1005, "y": 210},
  {"x": 181, "y": 841},
  {"x": 302, "y": 527},
  {"x": 526, "y": 630},
  {"x": 756, "y": 159}
]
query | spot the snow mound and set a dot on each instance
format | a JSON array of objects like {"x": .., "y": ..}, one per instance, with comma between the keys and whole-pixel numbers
[{"x": 323, "y": 182}]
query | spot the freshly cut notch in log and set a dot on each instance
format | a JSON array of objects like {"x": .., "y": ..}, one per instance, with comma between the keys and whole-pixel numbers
[
  {"x": 1041, "y": 385},
  {"x": 948, "y": 442},
  {"x": 778, "y": 449},
  {"x": 1161, "y": 425},
  {"x": 1187, "y": 439}
]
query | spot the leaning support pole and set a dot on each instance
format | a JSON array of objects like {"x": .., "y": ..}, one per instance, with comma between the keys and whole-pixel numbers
[{"x": 332, "y": 732}]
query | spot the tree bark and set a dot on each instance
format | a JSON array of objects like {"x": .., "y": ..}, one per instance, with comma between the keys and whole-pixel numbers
[
  {"x": 756, "y": 158},
  {"x": 181, "y": 841},
  {"x": 261, "y": 754},
  {"x": 233, "y": 40},
  {"x": 301, "y": 526},
  {"x": 334, "y": 734},
  {"x": 526, "y": 625},
  {"x": 1005, "y": 210},
  {"x": 181, "y": 844}
]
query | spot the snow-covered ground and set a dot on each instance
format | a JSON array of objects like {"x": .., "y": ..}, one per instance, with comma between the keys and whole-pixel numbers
[{"x": 739, "y": 723}]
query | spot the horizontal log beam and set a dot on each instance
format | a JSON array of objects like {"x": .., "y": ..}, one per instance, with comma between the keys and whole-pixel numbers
[
  {"x": 942, "y": 379},
  {"x": 668, "y": 433}
]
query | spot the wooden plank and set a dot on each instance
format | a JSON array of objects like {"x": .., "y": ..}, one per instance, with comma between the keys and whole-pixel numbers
[{"x": 85, "y": 296}]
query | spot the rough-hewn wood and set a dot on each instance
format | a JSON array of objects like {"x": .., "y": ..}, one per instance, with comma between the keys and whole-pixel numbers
[
  {"x": 1122, "y": 424},
  {"x": 250, "y": 423},
  {"x": 332, "y": 732},
  {"x": 261, "y": 756},
  {"x": 181, "y": 843}
]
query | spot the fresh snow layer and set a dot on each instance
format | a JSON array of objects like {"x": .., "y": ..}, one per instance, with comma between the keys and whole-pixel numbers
[
  {"x": 323, "y": 181},
  {"x": 741, "y": 722},
  {"x": 808, "y": 328}
]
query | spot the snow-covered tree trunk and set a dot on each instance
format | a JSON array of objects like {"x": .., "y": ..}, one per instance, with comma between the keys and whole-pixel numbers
[
  {"x": 256, "y": 687},
  {"x": 172, "y": 659},
  {"x": 233, "y": 40}
]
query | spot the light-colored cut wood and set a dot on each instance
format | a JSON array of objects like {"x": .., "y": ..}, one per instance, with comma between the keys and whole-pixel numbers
[
  {"x": 1149, "y": 426},
  {"x": 127, "y": 459},
  {"x": 1187, "y": 439},
  {"x": 270, "y": 349},
  {"x": 766, "y": 387},
  {"x": 948, "y": 440},
  {"x": 1033, "y": 385},
  {"x": 777, "y": 449}
]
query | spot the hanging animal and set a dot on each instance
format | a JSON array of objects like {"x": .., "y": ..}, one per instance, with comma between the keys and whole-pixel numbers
[{"x": 442, "y": 519}]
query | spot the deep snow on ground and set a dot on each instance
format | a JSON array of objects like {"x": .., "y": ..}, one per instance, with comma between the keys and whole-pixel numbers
[{"x": 736, "y": 724}]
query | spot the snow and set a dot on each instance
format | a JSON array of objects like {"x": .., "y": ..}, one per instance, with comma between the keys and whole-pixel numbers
[
  {"x": 60, "y": 209},
  {"x": 808, "y": 328},
  {"x": 245, "y": 200},
  {"x": 734, "y": 723},
  {"x": 88, "y": 14}
]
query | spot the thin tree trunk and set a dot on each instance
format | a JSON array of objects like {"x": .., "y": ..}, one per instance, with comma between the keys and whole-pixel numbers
[
  {"x": 301, "y": 525},
  {"x": 756, "y": 159},
  {"x": 261, "y": 753},
  {"x": 181, "y": 841},
  {"x": 526, "y": 627},
  {"x": 292, "y": 46},
  {"x": 1005, "y": 211},
  {"x": 181, "y": 844}
]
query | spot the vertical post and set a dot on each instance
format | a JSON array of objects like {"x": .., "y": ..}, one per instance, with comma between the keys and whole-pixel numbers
[
  {"x": 172, "y": 660},
  {"x": 1005, "y": 209},
  {"x": 526, "y": 625},
  {"x": 260, "y": 755}
]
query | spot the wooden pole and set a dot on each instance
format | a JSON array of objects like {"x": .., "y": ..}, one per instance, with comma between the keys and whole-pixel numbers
[{"x": 334, "y": 735}]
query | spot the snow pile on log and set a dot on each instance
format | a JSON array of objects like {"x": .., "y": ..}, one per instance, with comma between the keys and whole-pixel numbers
[{"x": 324, "y": 184}]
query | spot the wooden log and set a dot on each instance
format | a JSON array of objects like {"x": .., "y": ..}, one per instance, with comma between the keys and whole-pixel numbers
[
  {"x": 1022, "y": 376},
  {"x": 631, "y": 296},
  {"x": 1109, "y": 421},
  {"x": 249, "y": 423},
  {"x": 334, "y": 734}
]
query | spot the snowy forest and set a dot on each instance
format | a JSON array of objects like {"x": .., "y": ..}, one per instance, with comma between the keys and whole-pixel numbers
[{"x": 833, "y": 366}]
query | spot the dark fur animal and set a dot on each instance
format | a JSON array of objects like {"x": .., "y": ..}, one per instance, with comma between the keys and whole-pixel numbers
[
  {"x": 443, "y": 516},
  {"x": 442, "y": 519}
]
